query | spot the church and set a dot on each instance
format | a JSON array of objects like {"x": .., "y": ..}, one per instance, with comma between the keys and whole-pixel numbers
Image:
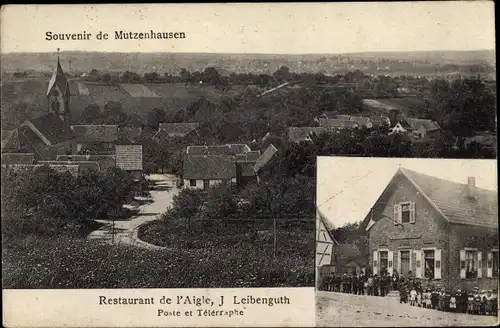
[{"x": 52, "y": 140}]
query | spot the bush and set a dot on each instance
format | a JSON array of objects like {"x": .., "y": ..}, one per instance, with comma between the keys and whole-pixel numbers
[{"x": 35, "y": 262}]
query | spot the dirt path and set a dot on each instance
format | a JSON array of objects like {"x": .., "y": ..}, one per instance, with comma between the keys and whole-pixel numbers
[
  {"x": 126, "y": 231},
  {"x": 345, "y": 310}
]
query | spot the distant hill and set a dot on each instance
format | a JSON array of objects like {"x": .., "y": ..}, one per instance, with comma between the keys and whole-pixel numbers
[{"x": 413, "y": 62}]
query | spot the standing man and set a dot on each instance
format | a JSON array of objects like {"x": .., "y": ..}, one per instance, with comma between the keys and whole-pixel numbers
[{"x": 355, "y": 284}]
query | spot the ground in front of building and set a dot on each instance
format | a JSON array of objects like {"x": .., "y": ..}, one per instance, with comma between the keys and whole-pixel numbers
[{"x": 347, "y": 310}]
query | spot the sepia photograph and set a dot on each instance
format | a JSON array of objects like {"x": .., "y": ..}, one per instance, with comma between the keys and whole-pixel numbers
[
  {"x": 194, "y": 148},
  {"x": 407, "y": 242}
]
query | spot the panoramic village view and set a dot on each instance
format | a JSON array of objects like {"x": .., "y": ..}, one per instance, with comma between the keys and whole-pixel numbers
[{"x": 123, "y": 170}]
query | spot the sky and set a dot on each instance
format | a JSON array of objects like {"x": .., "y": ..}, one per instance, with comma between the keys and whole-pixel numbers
[
  {"x": 281, "y": 28},
  {"x": 347, "y": 187}
]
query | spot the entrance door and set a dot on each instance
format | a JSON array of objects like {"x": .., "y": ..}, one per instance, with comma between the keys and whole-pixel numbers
[{"x": 405, "y": 262}]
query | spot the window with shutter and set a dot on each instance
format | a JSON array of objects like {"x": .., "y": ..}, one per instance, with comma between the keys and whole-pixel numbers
[
  {"x": 396, "y": 214},
  {"x": 390, "y": 263},
  {"x": 462, "y": 264},
  {"x": 412, "y": 212},
  {"x": 489, "y": 265},
  {"x": 479, "y": 264},
  {"x": 437, "y": 264},
  {"x": 418, "y": 260},
  {"x": 375, "y": 262}
]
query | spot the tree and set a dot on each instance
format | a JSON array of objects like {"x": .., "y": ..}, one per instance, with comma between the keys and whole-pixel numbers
[
  {"x": 211, "y": 76},
  {"x": 106, "y": 78},
  {"x": 156, "y": 116},
  {"x": 91, "y": 113},
  {"x": 282, "y": 74},
  {"x": 185, "y": 76}
]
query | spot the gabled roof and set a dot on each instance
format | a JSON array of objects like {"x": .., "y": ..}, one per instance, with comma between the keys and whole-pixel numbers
[
  {"x": 58, "y": 80},
  {"x": 236, "y": 149},
  {"x": 334, "y": 123},
  {"x": 178, "y": 129},
  {"x": 451, "y": 200},
  {"x": 61, "y": 168},
  {"x": 298, "y": 134},
  {"x": 129, "y": 157},
  {"x": 52, "y": 127},
  {"x": 361, "y": 120},
  {"x": 95, "y": 133},
  {"x": 416, "y": 123},
  {"x": 342, "y": 117},
  {"x": 10, "y": 139},
  {"x": 18, "y": 158},
  {"x": 328, "y": 226},
  {"x": 209, "y": 167},
  {"x": 265, "y": 158},
  {"x": 251, "y": 156},
  {"x": 379, "y": 120}
]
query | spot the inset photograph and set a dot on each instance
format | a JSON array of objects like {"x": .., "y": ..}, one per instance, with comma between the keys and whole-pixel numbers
[{"x": 406, "y": 242}]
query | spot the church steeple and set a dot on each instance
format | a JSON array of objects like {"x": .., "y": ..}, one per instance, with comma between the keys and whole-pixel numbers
[{"x": 58, "y": 92}]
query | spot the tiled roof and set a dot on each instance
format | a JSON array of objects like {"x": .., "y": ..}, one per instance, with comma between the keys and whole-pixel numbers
[
  {"x": 333, "y": 123},
  {"x": 265, "y": 158},
  {"x": 298, "y": 134},
  {"x": 105, "y": 161},
  {"x": 342, "y": 117},
  {"x": 18, "y": 158},
  {"x": 452, "y": 200},
  {"x": 416, "y": 123},
  {"x": 53, "y": 128},
  {"x": 361, "y": 120},
  {"x": 177, "y": 129},
  {"x": 82, "y": 165},
  {"x": 238, "y": 148},
  {"x": 209, "y": 167},
  {"x": 72, "y": 168},
  {"x": 379, "y": 120},
  {"x": 251, "y": 156},
  {"x": 129, "y": 157},
  {"x": 246, "y": 169},
  {"x": 95, "y": 133},
  {"x": 10, "y": 139},
  {"x": 30, "y": 140}
]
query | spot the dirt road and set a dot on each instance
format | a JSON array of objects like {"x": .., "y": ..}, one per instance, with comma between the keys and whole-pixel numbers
[
  {"x": 126, "y": 231},
  {"x": 345, "y": 310}
]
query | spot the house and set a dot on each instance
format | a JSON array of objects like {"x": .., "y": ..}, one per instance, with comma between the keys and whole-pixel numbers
[
  {"x": 95, "y": 136},
  {"x": 337, "y": 124},
  {"x": 250, "y": 156},
  {"x": 416, "y": 127},
  {"x": 244, "y": 167},
  {"x": 265, "y": 160},
  {"x": 105, "y": 161},
  {"x": 17, "y": 158},
  {"x": 73, "y": 169},
  {"x": 10, "y": 140},
  {"x": 378, "y": 121},
  {"x": 235, "y": 149},
  {"x": 443, "y": 232},
  {"x": 129, "y": 158},
  {"x": 325, "y": 244},
  {"x": 83, "y": 166},
  {"x": 204, "y": 171},
  {"x": 300, "y": 134},
  {"x": 47, "y": 136}
]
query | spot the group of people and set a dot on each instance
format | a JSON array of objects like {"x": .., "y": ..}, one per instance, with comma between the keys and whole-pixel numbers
[
  {"x": 359, "y": 284},
  {"x": 411, "y": 291},
  {"x": 460, "y": 301}
]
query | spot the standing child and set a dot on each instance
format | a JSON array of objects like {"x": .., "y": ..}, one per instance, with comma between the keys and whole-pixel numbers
[
  {"x": 419, "y": 299},
  {"x": 413, "y": 296},
  {"x": 453, "y": 302}
]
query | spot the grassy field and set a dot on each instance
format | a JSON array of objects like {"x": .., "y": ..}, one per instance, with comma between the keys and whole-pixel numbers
[{"x": 35, "y": 263}]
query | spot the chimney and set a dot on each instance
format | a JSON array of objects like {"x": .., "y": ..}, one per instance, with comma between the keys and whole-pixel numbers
[{"x": 471, "y": 187}]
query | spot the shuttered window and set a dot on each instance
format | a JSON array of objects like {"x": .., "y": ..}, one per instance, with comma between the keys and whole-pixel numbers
[{"x": 404, "y": 213}]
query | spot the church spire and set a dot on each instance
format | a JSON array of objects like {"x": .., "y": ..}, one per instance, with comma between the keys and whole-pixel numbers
[{"x": 58, "y": 92}]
